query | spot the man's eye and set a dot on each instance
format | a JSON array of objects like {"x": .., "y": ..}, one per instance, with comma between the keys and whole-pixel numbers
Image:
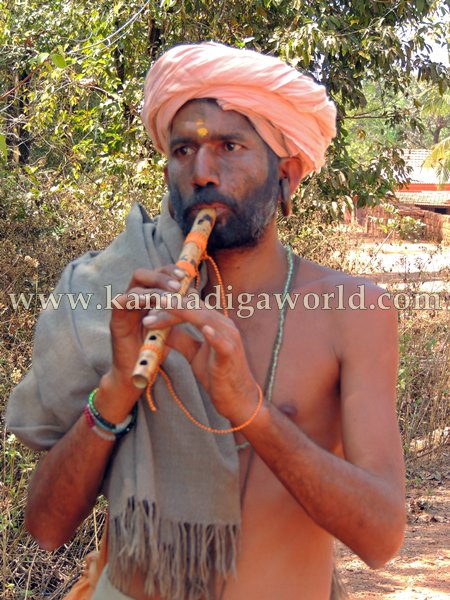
[
  {"x": 183, "y": 151},
  {"x": 231, "y": 146}
]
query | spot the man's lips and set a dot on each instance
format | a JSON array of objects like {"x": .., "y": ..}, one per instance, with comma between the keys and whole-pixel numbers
[{"x": 220, "y": 208}]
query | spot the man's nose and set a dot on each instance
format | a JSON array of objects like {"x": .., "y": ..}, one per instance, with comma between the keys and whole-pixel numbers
[{"x": 205, "y": 169}]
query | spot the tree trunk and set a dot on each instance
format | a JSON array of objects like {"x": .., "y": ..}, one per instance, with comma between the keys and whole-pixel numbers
[
  {"x": 119, "y": 63},
  {"x": 440, "y": 124},
  {"x": 18, "y": 139}
]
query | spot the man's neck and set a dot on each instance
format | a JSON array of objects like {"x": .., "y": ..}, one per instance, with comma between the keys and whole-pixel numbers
[{"x": 261, "y": 268}]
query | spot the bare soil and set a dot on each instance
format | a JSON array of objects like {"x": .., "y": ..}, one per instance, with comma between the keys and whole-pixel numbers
[{"x": 421, "y": 571}]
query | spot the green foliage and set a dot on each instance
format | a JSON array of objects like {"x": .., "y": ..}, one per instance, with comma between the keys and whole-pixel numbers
[
  {"x": 3, "y": 147},
  {"x": 440, "y": 159},
  {"x": 72, "y": 84},
  {"x": 436, "y": 104}
]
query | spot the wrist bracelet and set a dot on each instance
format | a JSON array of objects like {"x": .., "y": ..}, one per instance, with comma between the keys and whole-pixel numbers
[
  {"x": 110, "y": 437},
  {"x": 96, "y": 420}
]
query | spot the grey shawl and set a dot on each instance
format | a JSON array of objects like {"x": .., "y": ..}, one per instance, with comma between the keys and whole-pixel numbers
[{"x": 173, "y": 488}]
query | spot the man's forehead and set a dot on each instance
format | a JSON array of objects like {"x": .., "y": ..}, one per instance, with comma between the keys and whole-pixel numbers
[{"x": 195, "y": 112}]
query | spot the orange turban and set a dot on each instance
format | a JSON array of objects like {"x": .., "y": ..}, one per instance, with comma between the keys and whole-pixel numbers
[{"x": 291, "y": 112}]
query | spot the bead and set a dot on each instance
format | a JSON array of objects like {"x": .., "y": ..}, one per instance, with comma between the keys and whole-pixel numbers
[{"x": 119, "y": 429}]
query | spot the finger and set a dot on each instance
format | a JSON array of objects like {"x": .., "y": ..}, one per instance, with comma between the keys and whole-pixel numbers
[
  {"x": 160, "y": 319},
  {"x": 193, "y": 310},
  {"x": 173, "y": 271},
  {"x": 183, "y": 341},
  {"x": 221, "y": 332},
  {"x": 138, "y": 298},
  {"x": 194, "y": 349},
  {"x": 168, "y": 278},
  {"x": 223, "y": 345}
]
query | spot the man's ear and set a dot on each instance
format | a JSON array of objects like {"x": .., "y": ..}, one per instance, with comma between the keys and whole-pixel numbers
[{"x": 291, "y": 168}]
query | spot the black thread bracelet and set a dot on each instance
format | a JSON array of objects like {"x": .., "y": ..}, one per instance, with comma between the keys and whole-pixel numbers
[{"x": 119, "y": 429}]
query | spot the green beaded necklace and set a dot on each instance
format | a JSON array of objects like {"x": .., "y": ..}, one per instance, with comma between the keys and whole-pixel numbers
[{"x": 268, "y": 388}]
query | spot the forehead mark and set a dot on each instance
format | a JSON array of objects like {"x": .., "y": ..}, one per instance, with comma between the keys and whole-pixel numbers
[{"x": 202, "y": 131}]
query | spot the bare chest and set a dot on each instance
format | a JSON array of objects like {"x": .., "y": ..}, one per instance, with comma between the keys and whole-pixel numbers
[
  {"x": 305, "y": 371},
  {"x": 306, "y": 390}
]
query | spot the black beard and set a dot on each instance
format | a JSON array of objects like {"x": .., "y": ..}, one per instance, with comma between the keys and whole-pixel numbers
[{"x": 246, "y": 222}]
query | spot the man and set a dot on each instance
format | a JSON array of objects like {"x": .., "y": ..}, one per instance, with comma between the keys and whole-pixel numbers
[{"x": 319, "y": 458}]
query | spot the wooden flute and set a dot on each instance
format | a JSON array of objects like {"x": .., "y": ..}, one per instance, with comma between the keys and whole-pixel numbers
[{"x": 191, "y": 254}]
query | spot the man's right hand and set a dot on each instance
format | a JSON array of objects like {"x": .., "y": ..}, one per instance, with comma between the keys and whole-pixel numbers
[
  {"x": 127, "y": 335},
  {"x": 68, "y": 479}
]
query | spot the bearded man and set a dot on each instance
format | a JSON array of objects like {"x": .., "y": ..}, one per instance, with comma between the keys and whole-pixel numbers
[{"x": 194, "y": 514}]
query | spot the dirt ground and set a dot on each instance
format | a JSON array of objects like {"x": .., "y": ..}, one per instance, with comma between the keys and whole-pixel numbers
[{"x": 421, "y": 571}]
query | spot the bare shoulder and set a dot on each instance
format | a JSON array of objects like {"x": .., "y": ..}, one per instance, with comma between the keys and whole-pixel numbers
[{"x": 358, "y": 313}]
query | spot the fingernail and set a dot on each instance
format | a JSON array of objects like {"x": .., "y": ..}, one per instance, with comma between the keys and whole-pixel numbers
[
  {"x": 174, "y": 285},
  {"x": 149, "y": 320},
  {"x": 179, "y": 273}
]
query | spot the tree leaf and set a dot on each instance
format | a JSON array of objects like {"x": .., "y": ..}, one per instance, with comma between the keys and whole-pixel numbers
[
  {"x": 3, "y": 147},
  {"x": 42, "y": 57},
  {"x": 58, "y": 60}
]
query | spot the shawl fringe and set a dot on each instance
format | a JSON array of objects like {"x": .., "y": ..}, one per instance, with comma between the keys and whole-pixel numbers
[{"x": 177, "y": 559}]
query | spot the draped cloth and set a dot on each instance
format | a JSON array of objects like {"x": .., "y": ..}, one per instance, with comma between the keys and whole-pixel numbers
[
  {"x": 173, "y": 489},
  {"x": 289, "y": 110}
]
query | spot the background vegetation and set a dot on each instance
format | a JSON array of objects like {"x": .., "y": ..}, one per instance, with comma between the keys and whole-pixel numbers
[{"x": 74, "y": 157}]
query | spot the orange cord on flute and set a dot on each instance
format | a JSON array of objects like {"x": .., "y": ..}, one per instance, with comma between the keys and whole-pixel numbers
[
  {"x": 198, "y": 238},
  {"x": 195, "y": 421},
  {"x": 219, "y": 279},
  {"x": 188, "y": 267}
]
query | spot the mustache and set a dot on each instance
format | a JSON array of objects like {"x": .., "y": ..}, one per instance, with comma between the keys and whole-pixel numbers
[{"x": 208, "y": 197}]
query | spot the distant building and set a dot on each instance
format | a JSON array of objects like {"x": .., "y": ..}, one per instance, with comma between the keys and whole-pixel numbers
[
  {"x": 423, "y": 199},
  {"x": 424, "y": 190}
]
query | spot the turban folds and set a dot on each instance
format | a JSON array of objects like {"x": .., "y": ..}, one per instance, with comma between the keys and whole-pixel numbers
[{"x": 290, "y": 112}]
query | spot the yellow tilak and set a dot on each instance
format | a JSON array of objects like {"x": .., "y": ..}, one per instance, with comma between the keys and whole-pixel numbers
[{"x": 202, "y": 131}]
